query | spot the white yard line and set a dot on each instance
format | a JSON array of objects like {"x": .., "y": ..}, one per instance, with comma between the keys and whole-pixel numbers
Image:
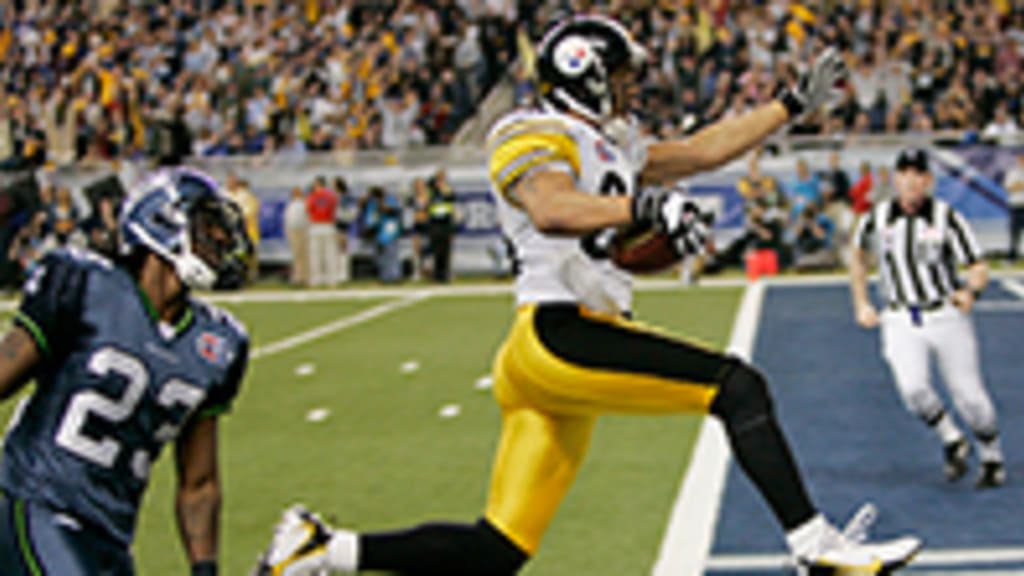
[
  {"x": 687, "y": 542},
  {"x": 338, "y": 325},
  {"x": 1014, "y": 286},
  {"x": 951, "y": 558}
]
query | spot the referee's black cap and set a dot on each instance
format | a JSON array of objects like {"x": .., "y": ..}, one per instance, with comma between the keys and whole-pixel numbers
[{"x": 913, "y": 159}]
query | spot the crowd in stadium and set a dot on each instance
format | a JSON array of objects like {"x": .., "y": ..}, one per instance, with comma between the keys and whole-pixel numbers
[{"x": 108, "y": 78}]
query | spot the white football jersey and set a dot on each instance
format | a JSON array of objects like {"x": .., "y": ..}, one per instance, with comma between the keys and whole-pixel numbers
[{"x": 558, "y": 268}]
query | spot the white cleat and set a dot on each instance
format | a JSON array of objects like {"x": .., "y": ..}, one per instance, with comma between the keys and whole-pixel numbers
[
  {"x": 299, "y": 546},
  {"x": 849, "y": 553}
]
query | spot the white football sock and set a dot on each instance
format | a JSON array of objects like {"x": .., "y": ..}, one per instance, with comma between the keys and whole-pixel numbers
[
  {"x": 806, "y": 539},
  {"x": 991, "y": 451},
  {"x": 947, "y": 430},
  {"x": 343, "y": 551}
]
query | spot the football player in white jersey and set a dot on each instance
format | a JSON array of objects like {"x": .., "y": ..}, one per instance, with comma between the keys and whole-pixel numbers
[{"x": 566, "y": 177}]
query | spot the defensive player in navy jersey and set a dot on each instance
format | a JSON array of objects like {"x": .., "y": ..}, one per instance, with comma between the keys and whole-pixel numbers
[{"x": 124, "y": 360}]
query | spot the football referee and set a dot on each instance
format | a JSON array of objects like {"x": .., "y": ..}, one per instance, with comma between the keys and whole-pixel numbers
[{"x": 919, "y": 241}]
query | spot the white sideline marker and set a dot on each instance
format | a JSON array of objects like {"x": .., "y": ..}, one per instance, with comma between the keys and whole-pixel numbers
[
  {"x": 307, "y": 369},
  {"x": 449, "y": 411},
  {"x": 484, "y": 383},
  {"x": 317, "y": 415},
  {"x": 686, "y": 546}
]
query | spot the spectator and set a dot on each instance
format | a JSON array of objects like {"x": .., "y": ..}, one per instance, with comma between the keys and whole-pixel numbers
[
  {"x": 62, "y": 220},
  {"x": 296, "y": 228},
  {"x": 170, "y": 141},
  {"x": 389, "y": 231},
  {"x": 861, "y": 194},
  {"x": 805, "y": 190},
  {"x": 812, "y": 233},
  {"x": 249, "y": 205},
  {"x": 1002, "y": 126},
  {"x": 344, "y": 217},
  {"x": 398, "y": 114},
  {"x": 101, "y": 227},
  {"x": 1014, "y": 184},
  {"x": 883, "y": 188},
  {"x": 765, "y": 216},
  {"x": 837, "y": 176},
  {"x": 420, "y": 206},
  {"x": 441, "y": 225},
  {"x": 321, "y": 206}
]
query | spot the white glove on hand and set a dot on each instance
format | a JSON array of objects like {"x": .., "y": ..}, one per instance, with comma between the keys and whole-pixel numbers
[
  {"x": 674, "y": 212},
  {"x": 816, "y": 86}
]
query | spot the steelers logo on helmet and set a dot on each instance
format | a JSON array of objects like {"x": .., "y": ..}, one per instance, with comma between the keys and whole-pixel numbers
[{"x": 574, "y": 55}]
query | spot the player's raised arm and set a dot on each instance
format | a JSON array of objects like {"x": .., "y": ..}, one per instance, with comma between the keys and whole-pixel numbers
[
  {"x": 725, "y": 140},
  {"x": 18, "y": 355},
  {"x": 199, "y": 494}
]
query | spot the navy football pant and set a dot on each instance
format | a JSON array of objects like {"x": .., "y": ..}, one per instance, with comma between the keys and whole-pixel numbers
[{"x": 36, "y": 541}]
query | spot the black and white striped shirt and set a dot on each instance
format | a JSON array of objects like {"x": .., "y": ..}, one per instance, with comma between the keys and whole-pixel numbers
[{"x": 917, "y": 254}]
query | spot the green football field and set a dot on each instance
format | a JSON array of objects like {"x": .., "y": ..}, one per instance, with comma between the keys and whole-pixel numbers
[{"x": 381, "y": 456}]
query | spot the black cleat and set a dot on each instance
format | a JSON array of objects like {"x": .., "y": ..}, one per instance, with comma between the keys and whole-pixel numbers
[
  {"x": 992, "y": 475},
  {"x": 956, "y": 454}
]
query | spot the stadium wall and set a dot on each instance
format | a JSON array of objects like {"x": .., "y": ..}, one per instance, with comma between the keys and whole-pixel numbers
[{"x": 969, "y": 177}]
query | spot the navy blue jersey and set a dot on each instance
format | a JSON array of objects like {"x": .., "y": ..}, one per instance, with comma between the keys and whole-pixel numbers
[{"x": 115, "y": 385}]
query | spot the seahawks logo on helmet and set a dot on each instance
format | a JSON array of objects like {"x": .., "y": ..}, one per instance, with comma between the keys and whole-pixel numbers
[{"x": 575, "y": 60}]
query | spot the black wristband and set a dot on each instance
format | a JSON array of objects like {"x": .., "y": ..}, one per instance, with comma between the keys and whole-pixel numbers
[
  {"x": 794, "y": 107},
  {"x": 635, "y": 209},
  {"x": 204, "y": 568}
]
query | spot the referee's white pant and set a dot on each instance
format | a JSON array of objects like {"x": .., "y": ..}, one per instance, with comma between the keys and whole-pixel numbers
[{"x": 907, "y": 339}]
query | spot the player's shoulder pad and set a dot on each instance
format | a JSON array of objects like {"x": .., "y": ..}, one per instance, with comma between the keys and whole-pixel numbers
[
  {"x": 531, "y": 121},
  {"x": 78, "y": 259},
  {"x": 526, "y": 140},
  {"x": 222, "y": 319},
  {"x": 69, "y": 269}
]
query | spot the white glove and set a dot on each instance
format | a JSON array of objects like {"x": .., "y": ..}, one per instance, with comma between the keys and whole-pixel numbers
[
  {"x": 816, "y": 86},
  {"x": 674, "y": 212}
]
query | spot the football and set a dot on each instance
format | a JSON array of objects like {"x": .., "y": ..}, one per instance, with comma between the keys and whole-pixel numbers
[{"x": 643, "y": 250}]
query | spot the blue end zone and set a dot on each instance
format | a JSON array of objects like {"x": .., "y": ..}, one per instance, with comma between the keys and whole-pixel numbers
[{"x": 856, "y": 443}]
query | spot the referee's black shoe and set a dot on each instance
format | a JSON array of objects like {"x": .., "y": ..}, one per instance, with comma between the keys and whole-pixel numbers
[
  {"x": 992, "y": 475},
  {"x": 956, "y": 454}
]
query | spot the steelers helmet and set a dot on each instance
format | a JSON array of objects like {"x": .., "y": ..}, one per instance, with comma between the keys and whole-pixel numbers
[{"x": 575, "y": 60}]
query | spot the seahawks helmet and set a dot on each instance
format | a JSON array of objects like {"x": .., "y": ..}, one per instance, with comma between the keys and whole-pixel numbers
[
  {"x": 182, "y": 216},
  {"x": 575, "y": 61}
]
